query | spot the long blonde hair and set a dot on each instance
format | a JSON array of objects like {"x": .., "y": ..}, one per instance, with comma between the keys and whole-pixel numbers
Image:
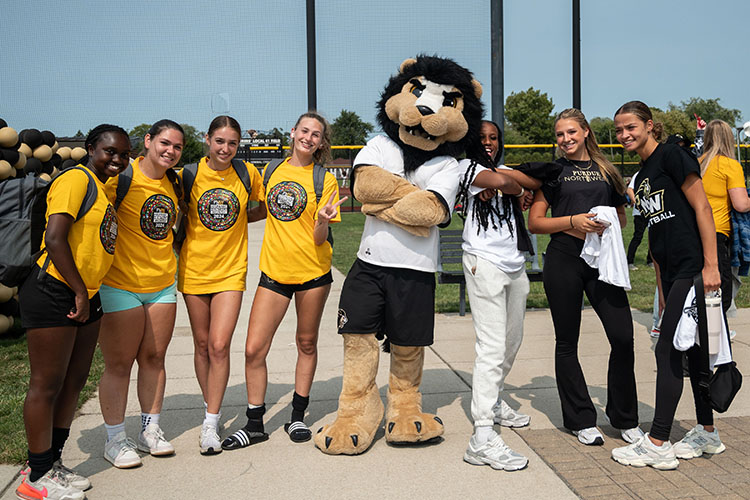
[
  {"x": 719, "y": 141},
  {"x": 609, "y": 172}
]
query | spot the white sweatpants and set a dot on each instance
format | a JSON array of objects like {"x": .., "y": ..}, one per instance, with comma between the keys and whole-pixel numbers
[{"x": 498, "y": 305}]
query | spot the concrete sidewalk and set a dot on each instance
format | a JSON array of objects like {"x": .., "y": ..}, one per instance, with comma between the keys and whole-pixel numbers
[{"x": 279, "y": 468}]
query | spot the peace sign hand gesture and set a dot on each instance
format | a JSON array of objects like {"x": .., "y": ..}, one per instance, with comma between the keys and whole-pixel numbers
[{"x": 330, "y": 209}]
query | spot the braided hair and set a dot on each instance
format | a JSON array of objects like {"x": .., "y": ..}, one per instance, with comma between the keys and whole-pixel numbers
[{"x": 485, "y": 212}]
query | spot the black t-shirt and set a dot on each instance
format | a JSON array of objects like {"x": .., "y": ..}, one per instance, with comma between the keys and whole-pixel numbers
[
  {"x": 673, "y": 234},
  {"x": 580, "y": 187}
]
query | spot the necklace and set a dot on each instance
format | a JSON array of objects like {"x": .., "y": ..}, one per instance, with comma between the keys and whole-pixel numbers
[{"x": 575, "y": 162}]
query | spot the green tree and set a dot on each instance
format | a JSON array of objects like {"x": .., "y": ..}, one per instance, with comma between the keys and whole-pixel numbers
[
  {"x": 708, "y": 109},
  {"x": 350, "y": 129},
  {"x": 530, "y": 114},
  {"x": 675, "y": 121},
  {"x": 192, "y": 151},
  {"x": 275, "y": 133}
]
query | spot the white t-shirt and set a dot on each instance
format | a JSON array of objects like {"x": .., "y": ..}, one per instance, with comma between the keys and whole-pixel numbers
[
  {"x": 387, "y": 245},
  {"x": 631, "y": 185},
  {"x": 497, "y": 246}
]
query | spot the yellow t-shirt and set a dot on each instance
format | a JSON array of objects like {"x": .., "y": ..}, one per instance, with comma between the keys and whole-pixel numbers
[
  {"x": 144, "y": 261},
  {"x": 289, "y": 254},
  {"x": 213, "y": 257},
  {"x": 92, "y": 238},
  {"x": 722, "y": 174}
]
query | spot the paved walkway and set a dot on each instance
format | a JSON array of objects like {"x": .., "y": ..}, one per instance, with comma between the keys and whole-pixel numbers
[{"x": 558, "y": 466}]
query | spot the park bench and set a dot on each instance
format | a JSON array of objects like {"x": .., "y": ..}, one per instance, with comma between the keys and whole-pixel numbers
[{"x": 450, "y": 269}]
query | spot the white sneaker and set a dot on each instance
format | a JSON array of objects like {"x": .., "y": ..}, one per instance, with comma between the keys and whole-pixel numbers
[
  {"x": 120, "y": 452},
  {"x": 51, "y": 486},
  {"x": 508, "y": 417},
  {"x": 75, "y": 479},
  {"x": 655, "y": 332},
  {"x": 644, "y": 452},
  {"x": 697, "y": 442},
  {"x": 151, "y": 440},
  {"x": 631, "y": 435},
  {"x": 209, "y": 440},
  {"x": 494, "y": 453},
  {"x": 590, "y": 436}
]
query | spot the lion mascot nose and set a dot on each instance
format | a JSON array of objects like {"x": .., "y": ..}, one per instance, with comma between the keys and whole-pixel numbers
[{"x": 425, "y": 110}]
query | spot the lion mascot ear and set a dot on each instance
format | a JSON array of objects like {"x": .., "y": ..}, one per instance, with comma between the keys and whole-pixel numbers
[
  {"x": 406, "y": 64},
  {"x": 477, "y": 87}
]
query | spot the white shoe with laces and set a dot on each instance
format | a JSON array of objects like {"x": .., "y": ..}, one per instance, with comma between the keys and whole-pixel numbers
[
  {"x": 75, "y": 479},
  {"x": 494, "y": 453},
  {"x": 631, "y": 435},
  {"x": 51, "y": 486},
  {"x": 209, "y": 440},
  {"x": 590, "y": 436},
  {"x": 508, "y": 417},
  {"x": 644, "y": 452},
  {"x": 120, "y": 452},
  {"x": 697, "y": 442},
  {"x": 151, "y": 440}
]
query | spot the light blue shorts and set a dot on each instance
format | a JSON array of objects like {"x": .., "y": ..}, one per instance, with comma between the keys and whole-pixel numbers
[{"x": 116, "y": 299}]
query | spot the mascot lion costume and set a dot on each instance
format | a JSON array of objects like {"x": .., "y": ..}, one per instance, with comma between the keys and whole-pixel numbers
[{"x": 407, "y": 182}]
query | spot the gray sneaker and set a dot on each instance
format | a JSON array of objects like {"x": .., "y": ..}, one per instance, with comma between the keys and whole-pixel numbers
[
  {"x": 508, "y": 417},
  {"x": 697, "y": 442},
  {"x": 75, "y": 479},
  {"x": 644, "y": 452},
  {"x": 120, "y": 452},
  {"x": 494, "y": 453}
]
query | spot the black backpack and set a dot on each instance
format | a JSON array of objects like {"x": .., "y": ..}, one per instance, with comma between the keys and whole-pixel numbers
[
  {"x": 23, "y": 208},
  {"x": 319, "y": 176}
]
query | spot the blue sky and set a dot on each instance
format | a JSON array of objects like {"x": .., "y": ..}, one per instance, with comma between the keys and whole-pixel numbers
[{"x": 70, "y": 65}]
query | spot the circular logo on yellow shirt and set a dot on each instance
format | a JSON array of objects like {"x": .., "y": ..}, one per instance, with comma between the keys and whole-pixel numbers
[
  {"x": 157, "y": 216},
  {"x": 108, "y": 230},
  {"x": 286, "y": 201},
  {"x": 218, "y": 209}
]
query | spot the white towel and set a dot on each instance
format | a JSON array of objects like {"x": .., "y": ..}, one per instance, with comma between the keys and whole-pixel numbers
[
  {"x": 686, "y": 335},
  {"x": 606, "y": 252}
]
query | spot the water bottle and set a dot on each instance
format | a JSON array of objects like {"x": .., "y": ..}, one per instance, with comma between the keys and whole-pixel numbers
[{"x": 714, "y": 319}]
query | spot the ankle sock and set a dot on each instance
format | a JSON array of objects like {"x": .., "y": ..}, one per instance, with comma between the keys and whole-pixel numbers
[
  {"x": 254, "y": 415},
  {"x": 114, "y": 430},
  {"x": 484, "y": 433},
  {"x": 212, "y": 419},
  {"x": 299, "y": 405},
  {"x": 40, "y": 464},
  {"x": 59, "y": 436},
  {"x": 149, "y": 418}
]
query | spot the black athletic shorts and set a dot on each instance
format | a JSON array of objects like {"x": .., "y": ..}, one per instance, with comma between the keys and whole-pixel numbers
[
  {"x": 46, "y": 301},
  {"x": 288, "y": 290},
  {"x": 395, "y": 302}
]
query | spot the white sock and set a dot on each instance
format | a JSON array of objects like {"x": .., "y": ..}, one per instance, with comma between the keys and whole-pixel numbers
[
  {"x": 484, "y": 433},
  {"x": 212, "y": 419},
  {"x": 149, "y": 418},
  {"x": 113, "y": 430}
]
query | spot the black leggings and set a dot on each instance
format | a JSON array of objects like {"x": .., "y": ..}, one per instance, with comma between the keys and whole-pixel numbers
[
  {"x": 669, "y": 365},
  {"x": 566, "y": 278}
]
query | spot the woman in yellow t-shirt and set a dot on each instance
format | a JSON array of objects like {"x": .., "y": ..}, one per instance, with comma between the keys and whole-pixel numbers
[
  {"x": 295, "y": 260},
  {"x": 724, "y": 183},
  {"x": 216, "y": 225},
  {"x": 138, "y": 296},
  {"x": 61, "y": 309}
]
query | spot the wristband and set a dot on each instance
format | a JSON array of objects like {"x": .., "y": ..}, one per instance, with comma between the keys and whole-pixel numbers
[
  {"x": 521, "y": 193},
  {"x": 571, "y": 223}
]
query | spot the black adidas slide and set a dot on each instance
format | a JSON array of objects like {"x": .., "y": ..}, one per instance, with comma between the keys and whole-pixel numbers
[
  {"x": 298, "y": 431},
  {"x": 243, "y": 438}
]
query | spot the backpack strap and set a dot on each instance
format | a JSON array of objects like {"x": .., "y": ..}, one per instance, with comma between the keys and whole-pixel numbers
[
  {"x": 240, "y": 168},
  {"x": 268, "y": 171},
  {"x": 319, "y": 179},
  {"x": 189, "y": 172},
  {"x": 124, "y": 179}
]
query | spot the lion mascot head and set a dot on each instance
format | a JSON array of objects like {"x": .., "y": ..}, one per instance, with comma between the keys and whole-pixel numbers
[{"x": 431, "y": 108}]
